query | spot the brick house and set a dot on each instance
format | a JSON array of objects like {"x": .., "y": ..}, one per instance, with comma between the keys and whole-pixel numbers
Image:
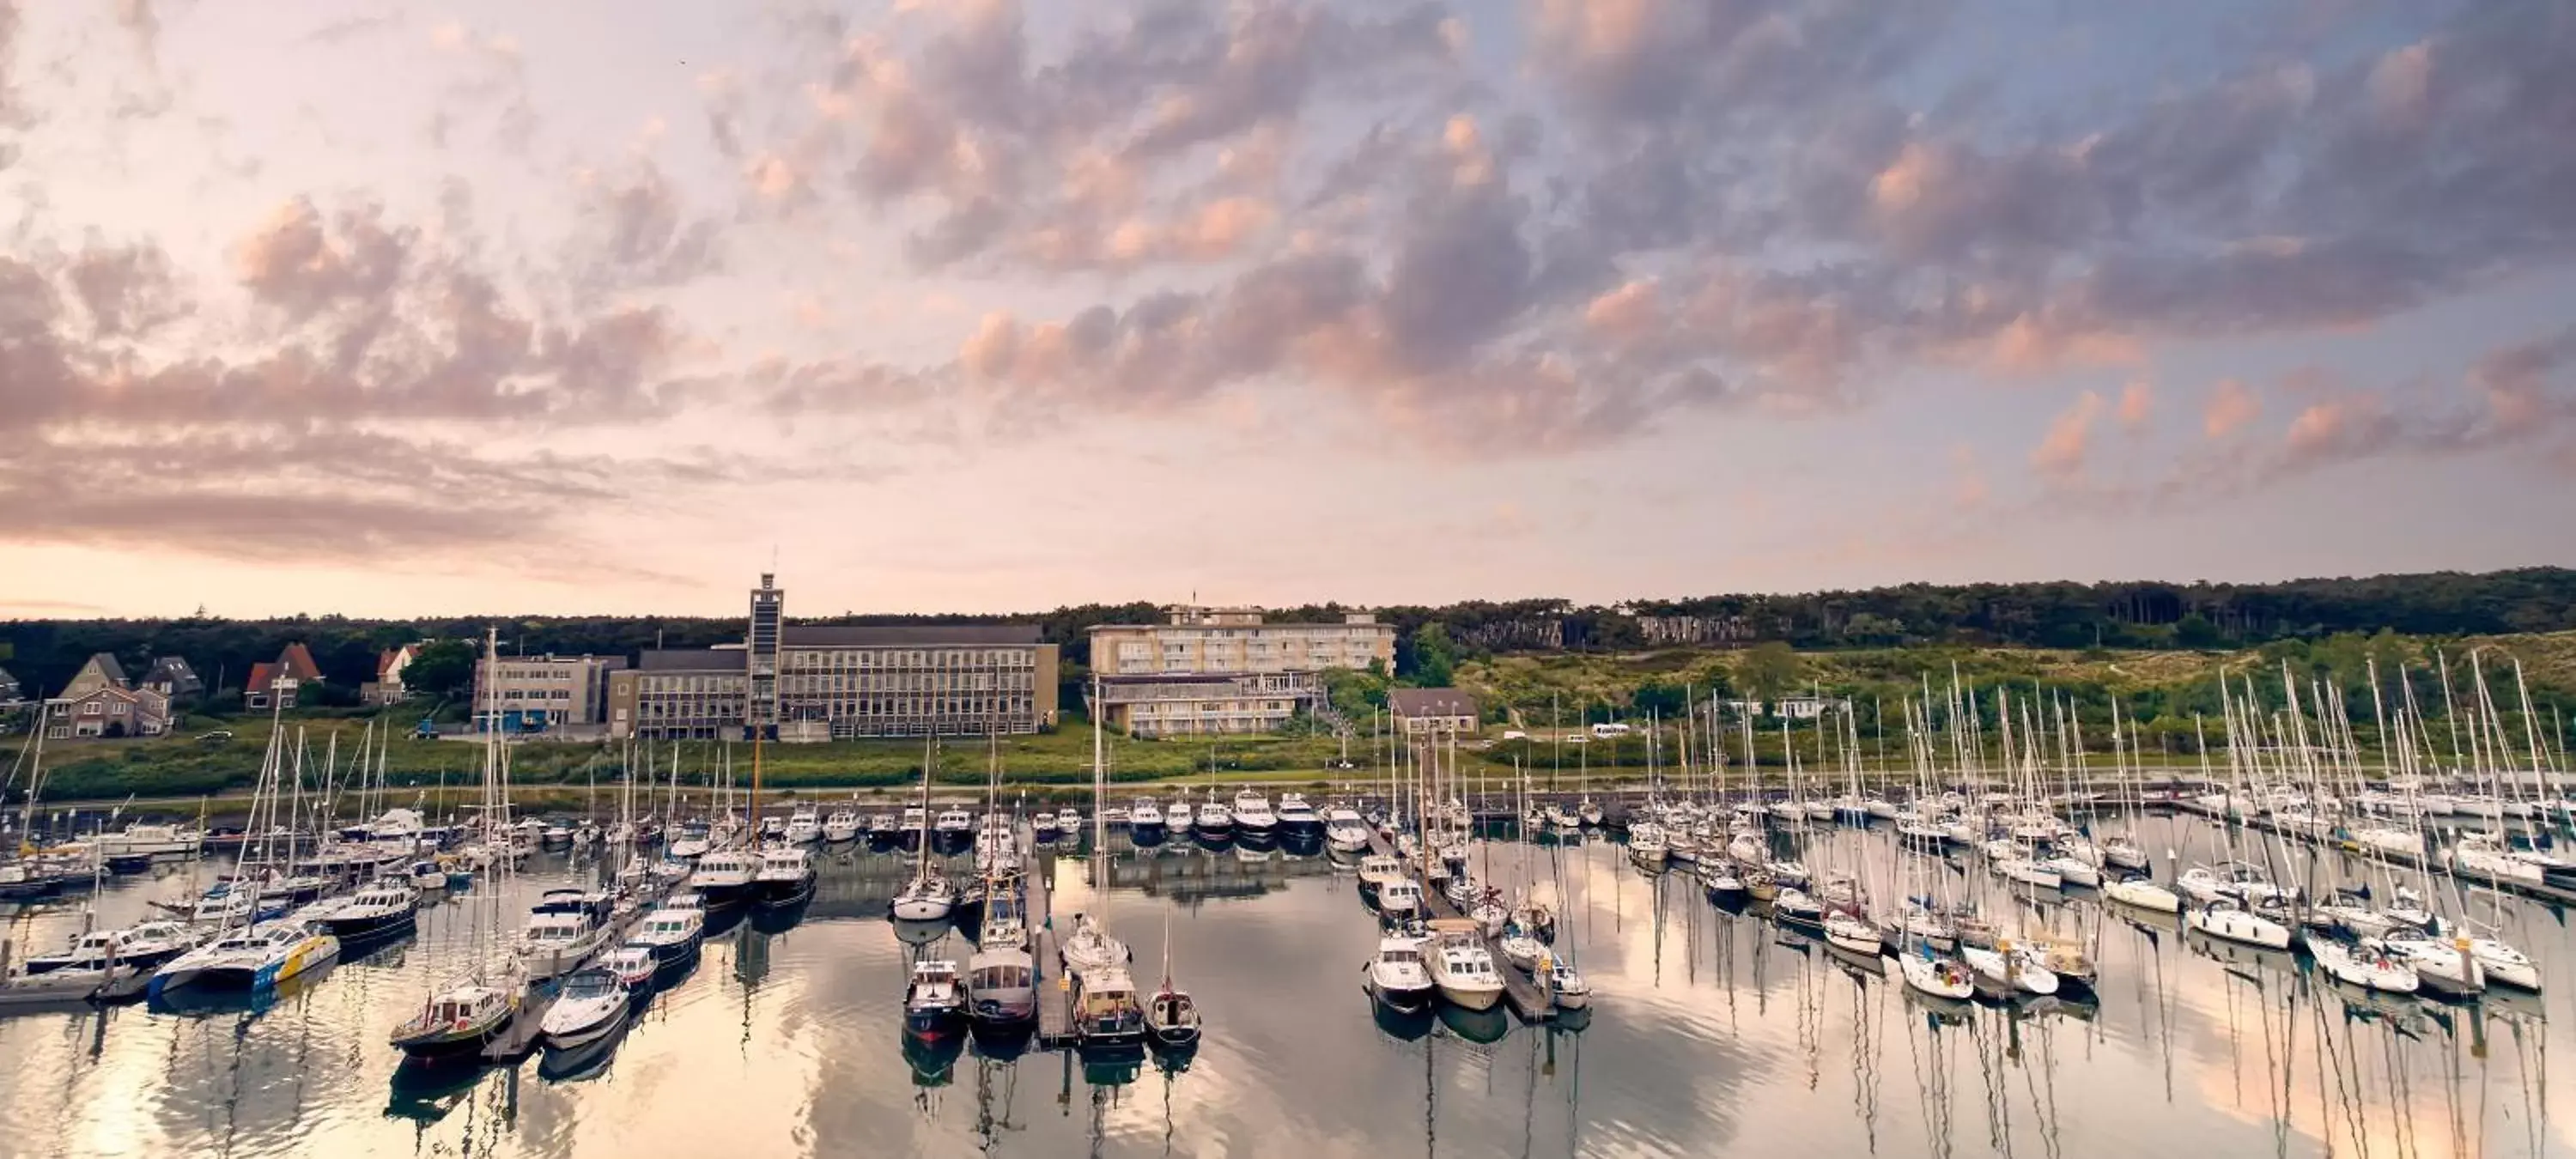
[{"x": 108, "y": 711}]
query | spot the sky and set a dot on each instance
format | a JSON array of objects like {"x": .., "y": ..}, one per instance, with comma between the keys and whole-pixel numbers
[{"x": 606, "y": 306}]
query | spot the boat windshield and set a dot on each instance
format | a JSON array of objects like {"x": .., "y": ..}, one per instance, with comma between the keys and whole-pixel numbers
[{"x": 1011, "y": 977}]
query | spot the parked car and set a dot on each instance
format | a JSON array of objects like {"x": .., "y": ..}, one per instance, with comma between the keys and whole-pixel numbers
[{"x": 215, "y": 737}]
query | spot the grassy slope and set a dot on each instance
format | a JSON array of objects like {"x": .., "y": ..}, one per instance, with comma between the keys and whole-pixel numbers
[{"x": 182, "y": 767}]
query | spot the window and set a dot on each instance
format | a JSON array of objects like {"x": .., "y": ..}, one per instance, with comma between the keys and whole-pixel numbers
[{"x": 121, "y": 706}]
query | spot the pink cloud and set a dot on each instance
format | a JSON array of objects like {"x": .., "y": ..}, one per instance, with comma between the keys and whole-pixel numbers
[
  {"x": 2061, "y": 453},
  {"x": 2230, "y": 407}
]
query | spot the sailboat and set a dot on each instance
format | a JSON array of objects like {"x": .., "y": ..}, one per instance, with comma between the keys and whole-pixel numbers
[
  {"x": 1089, "y": 947},
  {"x": 253, "y": 958},
  {"x": 1171, "y": 1017},
  {"x": 1001, "y": 976},
  {"x": 929, "y": 896},
  {"x": 457, "y": 1019}
]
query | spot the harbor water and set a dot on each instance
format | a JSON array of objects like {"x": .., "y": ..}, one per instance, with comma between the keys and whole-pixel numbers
[{"x": 1711, "y": 1033}]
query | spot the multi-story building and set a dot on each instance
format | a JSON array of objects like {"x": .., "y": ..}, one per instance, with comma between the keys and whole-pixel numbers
[
  {"x": 106, "y": 710},
  {"x": 1214, "y": 670},
  {"x": 532, "y": 693},
  {"x": 814, "y": 682}
]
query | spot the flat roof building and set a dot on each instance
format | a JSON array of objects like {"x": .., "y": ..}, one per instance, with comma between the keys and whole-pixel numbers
[
  {"x": 1225, "y": 670},
  {"x": 815, "y": 682}
]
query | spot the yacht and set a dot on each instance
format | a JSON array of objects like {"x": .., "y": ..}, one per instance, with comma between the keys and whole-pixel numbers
[
  {"x": 2143, "y": 893},
  {"x": 1399, "y": 897},
  {"x": 1846, "y": 932},
  {"x": 932, "y": 996},
  {"x": 633, "y": 964},
  {"x": 1377, "y": 869},
  {"x": 2225, "y": 917},
  {"x": 1001, "y": 985},
  {"x": 2365, "y": 962},
  {"x": 785, "y": 877},
  {"x": 1044, "y": 827},
  {"x": 380, "y": 909},
  {"x": 1069, "y": 819},
  {"x": 916, "y": 824},
  {"x": 805, "y": 825},
  {"x": 1106, "y": 1010},
  {"x": 690, "y": 845},
  {"x": 1296, "y": 816},
  {"x": 842, "y": 826},
  {"x": 1252, "y": 814},
  {"x": 457, "y": 1022},
  {"x": 1144, "y": 818},
  {"x": 592, "y": 1005},
  {"x": 955, "y": 828},
  {"x": 2004, "y": 970},
  {"x": 1213, "y": 821},
  {"x": 142, "y": 840},
  {"x": 143, "y": 947},
  {"x": 1396, "y": 975},
  {"x": 724, "y": 877},
  {"x": 1462, "y": 968},
  {"x": 249, "y": 959},
  {"x": 1091, "y": 948},
  {"x": 564, "y": 931},
  {"x": 2441, "y": 965},
  {"x": 1646, "y": 844},
  {"x": 671, "y": 932},
  {"x": 928, "y": 897},
  {"x": 885, "y": 828},
  {"x": 1345, "y": 831},
  {"x": 1937, "y": 975}
]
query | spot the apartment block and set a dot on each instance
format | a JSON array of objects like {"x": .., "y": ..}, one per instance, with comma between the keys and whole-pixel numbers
[
  {"x": 539, "y": 692},
  {"x": 1222, "y": 670}
]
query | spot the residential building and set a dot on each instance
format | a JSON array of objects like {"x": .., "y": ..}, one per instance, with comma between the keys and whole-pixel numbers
[
  {"x": 11, "y": 696},
  {"x": 1432, "y": 711},
  {"x": 1188, "y": 704},
  {"x": 280, "y": 679},
  {"x": 107, "y": 711},
  {"x": 1216, "y": 670},
  {"x": 534, "y": 693},
  {"x": 175, "y": 681},
  {"x": 1202, "y": 640},
  {"x": 388, "y": 686},
  {"x": 101, "y": 671},
  {"x": 814, "y": 682}
]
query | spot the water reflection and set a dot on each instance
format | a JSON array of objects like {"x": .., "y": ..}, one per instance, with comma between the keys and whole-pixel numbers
[{"x": 1714, "y": 1032}]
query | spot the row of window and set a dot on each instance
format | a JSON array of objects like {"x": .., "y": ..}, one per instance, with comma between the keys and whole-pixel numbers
[
  {"x": 863, "y": 659},
  {"x": 925, "y": 682},
  {"x": 835, "y": 709},
  {"x": 549, "y": 673},
  {"x": 1209, "y": 707}
]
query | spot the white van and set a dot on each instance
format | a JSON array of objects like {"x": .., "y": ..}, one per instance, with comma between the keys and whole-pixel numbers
[{"x": 1612, "y": 728}]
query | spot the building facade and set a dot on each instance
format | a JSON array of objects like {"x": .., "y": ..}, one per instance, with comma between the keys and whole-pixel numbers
[
  {"x": 1432, "y": 711},
  {"x": 533, "y": 693},
  {"x": 273, "y": 684},
  {"x": 100, "y": 671},
  {"x": 175, "y": 680},
  {"x": 1224, "y": 670},
  {"x": 107, "y": 711},
  {"x": 813, "y": 682}
]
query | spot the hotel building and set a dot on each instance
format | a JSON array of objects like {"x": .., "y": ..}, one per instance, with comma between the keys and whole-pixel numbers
[
  {"x": 813, "y": 682},
  {"x": 1224, "y": 670}
]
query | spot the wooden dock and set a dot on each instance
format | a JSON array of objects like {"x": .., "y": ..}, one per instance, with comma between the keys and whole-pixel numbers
[
  {"x": 1055, "y": 992},
  {"x": 526, "y": 1030}
]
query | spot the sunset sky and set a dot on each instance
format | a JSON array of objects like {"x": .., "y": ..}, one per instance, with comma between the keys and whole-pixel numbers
[{"x": 978, "y": 305}]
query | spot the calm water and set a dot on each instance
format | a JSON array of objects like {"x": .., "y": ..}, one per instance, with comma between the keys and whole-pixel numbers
[{"x": 1712, "y": 1035}]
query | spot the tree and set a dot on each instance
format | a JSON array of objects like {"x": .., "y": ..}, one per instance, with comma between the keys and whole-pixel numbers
[
  {"x": 1771, "y": 669},
  {"x": 2195, "y": 631},
  {"x": 442, "y": 668},
  {"x": 1434, "y": 657}
]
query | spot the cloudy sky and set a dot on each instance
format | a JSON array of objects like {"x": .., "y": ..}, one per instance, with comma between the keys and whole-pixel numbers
[{"x": 983, "y": 304}]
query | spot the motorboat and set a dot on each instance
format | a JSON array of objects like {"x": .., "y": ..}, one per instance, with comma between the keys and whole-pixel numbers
[
  {"x": 148, "y": 840},
  {"x": 1345, "y": 831},
  {"x": 248, "y": 959},
  {"x": 843, "y": 825},
  {"x": 592, "y": 1005},
  {"x": 1213, "y": 820},
  {"x": 1567, "y": 988},
  {"x": 933, "y": 995},
  {"x": 1069, "y": 819},
  {"x": 1106, "y": 1010},
  {"x": 1521, "y": 950},
  {"x": 915, "y": 826},
  {"x": 1399, "y": 898},
  {"x": 785, "y": 877},
  {"x": 954, "y": 828},
  {"x": 1090, "y": 947},
  {"x": 458, "y": 1022},
  {"x": 428, "y": 875},
  {"x": 670, "y": 932},
  {"x": 564, "y": 931},
  {"x": 723, "y": 877},
  {"x": 1378, "y": 869},
  {"x": 1396, "y": 975},
  {"x": 383, "y": 908},
  {"x": 1252, "y": 815},
  {"x": 804, "y": 825},
  {"x": 1001, "y": 985},
  {"x": 1462, "y": 968},
  {"x": 632, "y": 963},
  {"x": 1043, "y": 826},
  {"x": 1796, "y": 908},
  {"x": 1296, "y": 816},
  {"x": 144, "y": 946},
  {"x": 1846, "y": 932},
  {"x": 1646, "y": 845},
  {"x": 2227, "y": 918}
]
